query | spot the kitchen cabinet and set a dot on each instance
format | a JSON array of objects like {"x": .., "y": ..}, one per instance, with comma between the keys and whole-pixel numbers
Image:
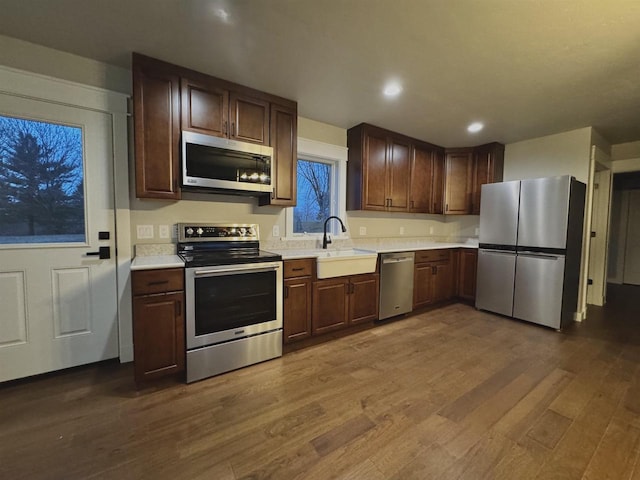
[
  {"x": 433, "y": 279},
  {"x": 210, "y": 107},
  {"x": 343, "y": 301},
  {"x": 467, "y": 270},
  {"x": 283, "y": 135},
  {"x": 156, "y": 127},
  {"x": 488, "y": 167},
  {"x": 458, "y": 181},
  {"x": 426, "y": 179},
  {"x": 297, "y": 299},
  {"x": 158, "y": 323},
  {"x": 169, "y": 98},
  {"x": 378, "y": 170}
]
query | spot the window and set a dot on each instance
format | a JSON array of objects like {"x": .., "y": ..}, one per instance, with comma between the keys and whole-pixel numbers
[
  {"x": 321, "y": 190},
  {"x": 41, "y": 182}
]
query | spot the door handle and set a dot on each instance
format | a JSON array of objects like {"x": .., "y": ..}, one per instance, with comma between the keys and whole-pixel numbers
[
  {"x": 103, "y": 253},
  {"x": 286, "y": 292}
]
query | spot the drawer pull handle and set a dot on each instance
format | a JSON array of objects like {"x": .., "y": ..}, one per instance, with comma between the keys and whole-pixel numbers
[
  {"x": 158, "y": 282},
  {"x": 298, "y": 269}
]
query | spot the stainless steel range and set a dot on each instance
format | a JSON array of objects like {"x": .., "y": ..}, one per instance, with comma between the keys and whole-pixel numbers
[{"x": 233, "y": 298}]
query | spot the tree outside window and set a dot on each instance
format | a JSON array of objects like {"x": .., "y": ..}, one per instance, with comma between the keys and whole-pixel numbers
[
  {"x": 41, "y": 182},
  {"x": 314, "y": 196}
]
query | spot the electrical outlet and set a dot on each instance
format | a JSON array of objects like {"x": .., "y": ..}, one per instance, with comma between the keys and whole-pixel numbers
[
  {"x": 275, "y": 231},
  {"x": 163, "y": 231},
  {"x": 144, "y": 231},
  {"x": 401, "y": 230},
  {"x": 430, "y": 230},
  {"x": 363, "y": 231},
  {"x": 174, "y": 232},
  {"x": 477, "y": 231}
]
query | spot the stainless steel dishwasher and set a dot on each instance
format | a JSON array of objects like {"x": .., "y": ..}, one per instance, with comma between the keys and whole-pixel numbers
[{"x": 396, "y": 283}]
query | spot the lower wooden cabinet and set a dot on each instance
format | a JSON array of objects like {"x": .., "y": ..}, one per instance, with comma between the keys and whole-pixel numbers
[
  {"x": 467, "y": 270},
  {"x": 434, "y": 277},
  {"x": 343, "y": 301},
  {"x": 297, "y": 309},
  {"x": 158, "y": 323}
]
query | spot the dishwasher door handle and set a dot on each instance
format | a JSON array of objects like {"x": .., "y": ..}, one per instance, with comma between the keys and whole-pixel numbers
[{"x": 397, "y": 260}]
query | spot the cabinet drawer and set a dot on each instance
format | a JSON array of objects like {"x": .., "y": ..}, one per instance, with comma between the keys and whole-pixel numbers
[
  {"x": 156, "y": 281},
  {"x": 298, "y": 268},
  {"x": 423, "y": 256}
]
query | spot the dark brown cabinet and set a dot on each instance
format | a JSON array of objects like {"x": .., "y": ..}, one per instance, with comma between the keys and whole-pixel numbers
[
  {"x": 283, "y": 134},
  {"x": 297, "y": 299},
  {"x": 169, "y": 98},
  {"x": 467, "y": 270},
  {"x": 343, "y": 301},
  {"x": 458, "y": 180},
  {"x": 156, "y": 125},
  {"x": 488, "y": 167},
  {"x": 158, "y": 323},
  {"x": 433, "y": 279},
  {"x": 378, "y": 169},
  {"x": 426, "y": 179}
]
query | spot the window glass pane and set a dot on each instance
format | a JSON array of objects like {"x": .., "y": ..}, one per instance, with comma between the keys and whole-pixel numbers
[
  {"x": 314, "y": 196},
  {"x": 41, "y": 182}
]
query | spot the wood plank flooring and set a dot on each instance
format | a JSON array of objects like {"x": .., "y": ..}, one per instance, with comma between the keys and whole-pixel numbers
[{"x": 449, "y": 394}]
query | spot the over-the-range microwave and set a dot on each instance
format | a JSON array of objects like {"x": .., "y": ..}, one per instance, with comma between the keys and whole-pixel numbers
[{"x": 225, "y": 165}]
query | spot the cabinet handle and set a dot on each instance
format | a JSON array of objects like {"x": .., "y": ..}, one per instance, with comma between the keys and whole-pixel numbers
[
  {"x": 411, "y": 203},
  {"x": 446, "y": 207},
  {"x": 299, "y": 269},
  {"x": 434, "y": 270},
  {"x": 178, "y": 308},
  {"x": 435, "y": 207},
  {"x": 226, "y": 128},
  {"x": 233, "y": 129},
  {"x": 391, "y": 202},
  {"x": 159, "y": 282},
  {"x": 286, "y": 292}
]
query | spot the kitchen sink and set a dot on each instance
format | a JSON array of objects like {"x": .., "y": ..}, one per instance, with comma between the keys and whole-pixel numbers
[{"x": 340, "y": 263}]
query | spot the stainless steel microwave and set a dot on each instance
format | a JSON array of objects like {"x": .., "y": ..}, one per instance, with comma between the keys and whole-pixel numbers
[{"x": 225, "y": 165}]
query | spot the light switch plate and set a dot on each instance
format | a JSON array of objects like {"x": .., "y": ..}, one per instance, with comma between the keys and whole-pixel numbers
[
  {"x": 163, "y": 231},
  {"x": 477, "y": 231},
  {"x": 275, "y": 231},
  {"x": 430, "y": 230},
  {"x": 363, "y": 231},
  {"x": 144, "y": 231},
  {"x": 401, "y": 230}
]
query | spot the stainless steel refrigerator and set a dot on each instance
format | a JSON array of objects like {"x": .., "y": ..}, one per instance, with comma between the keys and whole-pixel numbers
[{"x": 530, "y": 249}]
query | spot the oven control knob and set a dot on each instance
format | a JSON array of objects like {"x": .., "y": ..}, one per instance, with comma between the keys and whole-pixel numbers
[
  {"x": 199, "y": 231},
  {"x": 189, "y": 231}
]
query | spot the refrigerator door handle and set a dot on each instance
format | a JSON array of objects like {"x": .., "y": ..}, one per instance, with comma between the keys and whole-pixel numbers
[
  {"x": 496, "y": 252},
  {"x": 542, "y": 256}
]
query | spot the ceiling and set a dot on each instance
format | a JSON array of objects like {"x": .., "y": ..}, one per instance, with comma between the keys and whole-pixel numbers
[{"x": 526, "y": 68}]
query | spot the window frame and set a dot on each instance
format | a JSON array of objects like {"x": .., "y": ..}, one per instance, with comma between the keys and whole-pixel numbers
[{"x": 335, "y": 155}]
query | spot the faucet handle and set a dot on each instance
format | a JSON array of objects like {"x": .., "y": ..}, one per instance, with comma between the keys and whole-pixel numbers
[{"x": 328, "y": 238}]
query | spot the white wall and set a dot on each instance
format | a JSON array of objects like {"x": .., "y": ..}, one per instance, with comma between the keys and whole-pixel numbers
[{"x": 564, "y": 153}]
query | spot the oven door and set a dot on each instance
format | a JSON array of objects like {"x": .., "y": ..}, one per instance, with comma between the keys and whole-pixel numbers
[{"x": 232, "y": 301}]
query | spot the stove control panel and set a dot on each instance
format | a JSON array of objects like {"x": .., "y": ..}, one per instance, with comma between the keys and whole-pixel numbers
[{"x": 201, "y": 232}]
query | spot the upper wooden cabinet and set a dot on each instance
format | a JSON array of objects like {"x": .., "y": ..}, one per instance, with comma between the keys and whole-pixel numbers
[
  {"x": 458, "y": 181},
  {"x": 488, "y": 167},
  {"x": 169, "y": 98},
  {"x": 156, "y": 123},
  {"x": 389, "y": 172},
  {"x": 426, "y": 179}
]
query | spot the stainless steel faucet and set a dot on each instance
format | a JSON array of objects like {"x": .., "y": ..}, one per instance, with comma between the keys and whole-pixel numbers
[{"x": 326, "y": 240}]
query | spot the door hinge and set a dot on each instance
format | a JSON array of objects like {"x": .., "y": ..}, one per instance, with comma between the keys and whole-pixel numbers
[
  {"x": 593, "y": 234},
  {"x": 590, "y": 281}
]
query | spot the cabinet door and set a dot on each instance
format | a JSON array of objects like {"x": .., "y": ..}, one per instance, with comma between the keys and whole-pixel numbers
[
  {"x": 443, "y": 282},
  {"x": 205, "y": 108},
  {"x": 249, "y": 119},
  {"x": 363, "y": 298},
  {"x": 458, "y": 182},
  {"x": 158, "y": 335},
  {"x": 437, "y": 195},
  {"x": 330, "y": 305},
  {"x": 297, "y": 309},
  {"x": 421, "y": 182},
  {"x": 398, "y": 169},
  {"x": 423, "y": 285},
  {"x": 488, "y": 165},
  {"x": 156, "y": 127},
  {"x": 284, "y": 136},
  {"x": 375, "y": 171},
  {"x": 467, "y": 273}
]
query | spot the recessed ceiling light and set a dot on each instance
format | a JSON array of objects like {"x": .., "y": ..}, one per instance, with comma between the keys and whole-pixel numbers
[
  {"x": 392, "y": 89},
  {"x": 222, "y": 14},
  {"x": 475, "y": 127}
]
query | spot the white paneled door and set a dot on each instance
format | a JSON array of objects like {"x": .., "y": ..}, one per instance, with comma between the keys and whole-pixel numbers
[{"x": 58, "y": 303}]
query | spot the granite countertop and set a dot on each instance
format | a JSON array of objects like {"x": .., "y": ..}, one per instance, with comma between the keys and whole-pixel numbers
[{"x": 150, "y": 262}]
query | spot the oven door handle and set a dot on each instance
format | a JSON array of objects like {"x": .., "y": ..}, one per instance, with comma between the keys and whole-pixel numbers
[{"x": 199, "y": 273}]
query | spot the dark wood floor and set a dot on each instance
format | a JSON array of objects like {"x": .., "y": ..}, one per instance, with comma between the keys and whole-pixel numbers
[{"x": 452, "y": 393}]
